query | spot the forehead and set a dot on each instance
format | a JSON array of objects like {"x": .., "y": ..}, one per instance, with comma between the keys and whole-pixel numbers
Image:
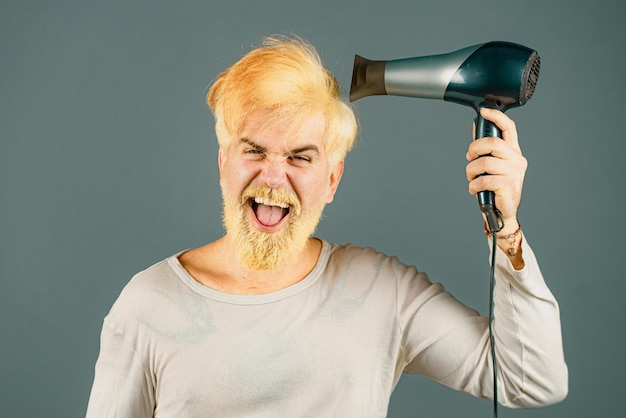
[{"x": 269, "y": 129}]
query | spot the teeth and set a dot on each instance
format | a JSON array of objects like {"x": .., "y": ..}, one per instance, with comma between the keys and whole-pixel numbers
[{"x": 268, "y": 202}]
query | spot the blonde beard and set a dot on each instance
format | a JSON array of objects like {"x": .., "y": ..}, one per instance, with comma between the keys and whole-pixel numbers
[{"x": 268, "y": 251}]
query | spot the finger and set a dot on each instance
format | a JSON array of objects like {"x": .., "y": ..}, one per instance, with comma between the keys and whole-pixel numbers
[
  {"x": 481, "y": 166},
  {"x": 515, "y": 175},
  {"x": 507, "y": 199},
  {"x": 504, "y": 123},
  {"x": 491, "y": 146},
  {"x": 495, "y": 166},
  {"x": 508, "y": 191}
]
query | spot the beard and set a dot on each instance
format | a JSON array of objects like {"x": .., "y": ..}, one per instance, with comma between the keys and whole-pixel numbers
[{"x": 268, "y": 251}]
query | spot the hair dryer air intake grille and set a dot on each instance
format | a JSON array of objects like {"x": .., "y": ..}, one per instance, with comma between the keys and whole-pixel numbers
[{"x": 531, "y": 75}]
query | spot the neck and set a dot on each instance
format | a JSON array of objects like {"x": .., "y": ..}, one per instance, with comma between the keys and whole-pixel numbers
[{"x": 217, "y": 266}]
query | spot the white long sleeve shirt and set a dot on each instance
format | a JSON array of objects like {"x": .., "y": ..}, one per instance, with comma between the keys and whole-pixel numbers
[{"x": 332, "y": 345}]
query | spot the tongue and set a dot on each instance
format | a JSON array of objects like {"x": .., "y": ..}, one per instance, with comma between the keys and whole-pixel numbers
[{"x": 270, "y": 215}]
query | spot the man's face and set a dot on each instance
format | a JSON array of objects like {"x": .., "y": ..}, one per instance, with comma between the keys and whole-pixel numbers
[{"x": 275, "y": 183}]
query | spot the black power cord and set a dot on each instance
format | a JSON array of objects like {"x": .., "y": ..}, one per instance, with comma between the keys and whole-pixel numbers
[
  {"x": 494, "y": 223},
  {"x": 492, "y": 282}
]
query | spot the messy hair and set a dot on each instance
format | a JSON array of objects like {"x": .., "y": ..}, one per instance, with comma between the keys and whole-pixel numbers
[{"x": 286, "y": 77}]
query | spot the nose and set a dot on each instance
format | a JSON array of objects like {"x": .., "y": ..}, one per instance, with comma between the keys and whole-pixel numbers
[{"x": 274, "y": 172}]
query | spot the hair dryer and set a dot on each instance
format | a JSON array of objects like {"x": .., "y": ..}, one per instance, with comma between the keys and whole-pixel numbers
[{"x": 499, "y": 75}]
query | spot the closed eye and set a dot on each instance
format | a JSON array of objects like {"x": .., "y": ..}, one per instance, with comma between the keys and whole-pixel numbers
[
  {"x": 251, "y": 148},
  {"x": 300, "y": 158},
  {"x": 254, "y": 151}
]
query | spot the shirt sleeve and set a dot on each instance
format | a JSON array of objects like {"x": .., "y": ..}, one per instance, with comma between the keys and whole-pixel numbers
[
  {"x": 449, "y": 343},
  {"x": 122, "y": 387}
]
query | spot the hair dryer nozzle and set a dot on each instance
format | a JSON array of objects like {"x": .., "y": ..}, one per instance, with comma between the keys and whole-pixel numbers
[{"x": 368, "y": 78}]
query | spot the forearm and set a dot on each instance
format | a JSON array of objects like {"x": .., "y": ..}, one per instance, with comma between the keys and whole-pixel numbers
[
  {"x": 450, "y": 343},
  {"x": 527, "y": 327}
]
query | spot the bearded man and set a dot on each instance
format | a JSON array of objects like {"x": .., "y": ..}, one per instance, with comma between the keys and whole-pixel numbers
[{"x": 270, "y": 321}]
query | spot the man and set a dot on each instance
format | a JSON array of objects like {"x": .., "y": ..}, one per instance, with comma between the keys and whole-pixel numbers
[{"x": 268, "y": 321}]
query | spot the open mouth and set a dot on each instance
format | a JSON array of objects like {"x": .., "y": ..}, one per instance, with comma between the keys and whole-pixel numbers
[{"x": 269, "y": 213}]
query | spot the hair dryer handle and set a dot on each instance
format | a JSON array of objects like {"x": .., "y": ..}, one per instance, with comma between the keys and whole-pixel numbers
[
  {"x": 486, "y": 199},
  {"x": 486, "y": 128}
]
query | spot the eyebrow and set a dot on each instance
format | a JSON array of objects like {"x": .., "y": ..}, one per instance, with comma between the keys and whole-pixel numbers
[
  {"x": 260, "y": 148},
  {"x": 252, "y": 144}
]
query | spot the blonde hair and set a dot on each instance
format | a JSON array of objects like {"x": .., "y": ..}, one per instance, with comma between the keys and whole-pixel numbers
[{"x": 286, "y": 77}]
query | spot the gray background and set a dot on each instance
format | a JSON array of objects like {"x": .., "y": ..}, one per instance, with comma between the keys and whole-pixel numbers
[{"x": 108, "y": 164}]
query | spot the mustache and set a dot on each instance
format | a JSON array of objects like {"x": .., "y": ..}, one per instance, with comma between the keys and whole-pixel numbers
[{"x": 271, "y": 196}]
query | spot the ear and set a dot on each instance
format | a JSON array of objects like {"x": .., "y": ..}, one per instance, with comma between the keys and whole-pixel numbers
[
  {"x": 335, "y": 178},
  {"x": 220, "y": 159}
]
